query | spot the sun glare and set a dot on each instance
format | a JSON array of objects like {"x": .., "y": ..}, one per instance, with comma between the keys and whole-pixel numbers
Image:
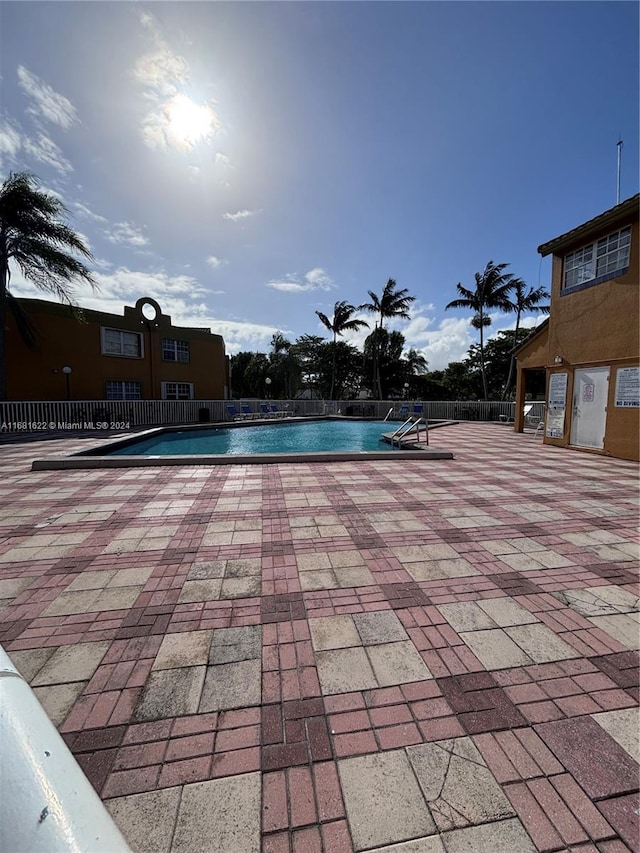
[{"x": 189, "y": 123}]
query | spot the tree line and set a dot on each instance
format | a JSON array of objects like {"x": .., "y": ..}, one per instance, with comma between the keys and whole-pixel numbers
[
  {"x": 36, "y": 238},
  {"x": 335, "y": 370}
]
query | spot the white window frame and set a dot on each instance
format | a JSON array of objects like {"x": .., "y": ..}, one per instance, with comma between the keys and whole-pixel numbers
[
  {"x": 598, "y": 261},
  {"x": 178, "y": 351},
  {"x": 166, "y": 389},
  {"x": 123, "y": 383},
  {"x": 121, "y": 333}
]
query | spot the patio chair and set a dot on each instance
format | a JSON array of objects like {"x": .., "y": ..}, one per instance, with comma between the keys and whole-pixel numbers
[
  {"x": 418, "y": 408},
  {"x": 404, "y": 410},
  {"x": 276, "y": 412},
  {"x": 247, "y": 411},
  {"x": 266, "y": 410},
  {"x": 234, "y": 414},
  {"x": 533, "y": 420}
]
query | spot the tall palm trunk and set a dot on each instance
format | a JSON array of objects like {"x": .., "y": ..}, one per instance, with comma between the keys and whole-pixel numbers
[
  {"x": 512, "y": 363},
  {"x": 482, "y": 367},
  {"x": 376, "y": 361},
  {"x": 4, "y": 275},
  {"x": 333, "y": 368}
]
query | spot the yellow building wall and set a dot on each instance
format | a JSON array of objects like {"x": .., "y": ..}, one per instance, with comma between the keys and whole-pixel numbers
[
  {"x": 596, "y": 326},
  {"x": 599, "y": 326},
  {"x": 64, "y": 341},
  {"x": 622, "y": 436},
  {"x": 599, "y": 323}
]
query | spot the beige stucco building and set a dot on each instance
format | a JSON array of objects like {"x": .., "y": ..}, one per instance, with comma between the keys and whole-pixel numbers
[
  {"x": 137, "y": 355},
  {"x": 589, "y": 345}
]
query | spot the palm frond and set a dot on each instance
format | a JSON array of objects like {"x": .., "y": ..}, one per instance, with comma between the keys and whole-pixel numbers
[{"x": 325, "y": 320}]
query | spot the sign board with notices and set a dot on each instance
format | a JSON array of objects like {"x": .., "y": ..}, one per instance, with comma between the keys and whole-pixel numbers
[
  {"x": 557, "y": 405},
  {"x": 558, "y": 389},
  {"x": 628, "y": 388}
]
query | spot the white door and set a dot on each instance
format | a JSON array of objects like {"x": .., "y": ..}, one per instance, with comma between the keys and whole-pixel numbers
[{"x": 589, "y": 421}]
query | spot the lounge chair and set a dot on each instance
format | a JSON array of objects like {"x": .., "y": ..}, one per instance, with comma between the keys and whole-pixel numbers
[
  {"x": 234, "y": 414},
  {"x": 276, "y": 412},
  {"x": 404, "y": 410},
  {"x": 533, "y": 420},
  {"x": 247, "y": 411},
  {"x": 266, "y": 410},
  {"x": 418, "y": 408}
]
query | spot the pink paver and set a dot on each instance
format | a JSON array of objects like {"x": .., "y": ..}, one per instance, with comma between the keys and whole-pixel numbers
[{"x": 231, "y": 555}]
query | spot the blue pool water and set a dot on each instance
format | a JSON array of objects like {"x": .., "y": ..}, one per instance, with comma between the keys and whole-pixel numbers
[{"x": 306, "y": 437}]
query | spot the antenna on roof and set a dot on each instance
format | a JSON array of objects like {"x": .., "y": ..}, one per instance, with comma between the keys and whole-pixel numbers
[{"x": 620, "y": 144}]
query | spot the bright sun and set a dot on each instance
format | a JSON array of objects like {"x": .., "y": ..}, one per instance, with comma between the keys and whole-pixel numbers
[{"x": 189, "y": 123}]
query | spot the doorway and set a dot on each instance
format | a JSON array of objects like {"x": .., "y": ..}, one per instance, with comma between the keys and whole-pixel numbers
[{"x": 589, "y": 420}]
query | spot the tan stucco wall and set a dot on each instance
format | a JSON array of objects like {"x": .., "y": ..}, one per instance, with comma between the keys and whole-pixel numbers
[
  {"x": 597, "y": 326},
  {"x": 622, "y": 436},
  {"x": 63, "y": 340},
  {"x": 600, "y": 322},
  {"x": 535, "y": 353}
]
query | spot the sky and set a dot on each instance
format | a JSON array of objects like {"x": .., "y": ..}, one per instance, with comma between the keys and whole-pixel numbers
[{"x": 248, "y": 164}]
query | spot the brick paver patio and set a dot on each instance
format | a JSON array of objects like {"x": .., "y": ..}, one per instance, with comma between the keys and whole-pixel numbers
[{"x": 412, "y": 656}]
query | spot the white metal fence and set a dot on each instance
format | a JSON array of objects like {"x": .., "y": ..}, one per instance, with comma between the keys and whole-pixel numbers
[{"x": 31, "y": 416}]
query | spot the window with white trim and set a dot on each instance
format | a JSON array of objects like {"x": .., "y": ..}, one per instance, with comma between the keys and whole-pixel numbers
[
  {"x": 175, "y": 350},
  {"x": 177, "y": 391},
  {"x": 119, "y": 342},
  {"x": 123, "y": 390},
  {"x": 598, "y": 261}
]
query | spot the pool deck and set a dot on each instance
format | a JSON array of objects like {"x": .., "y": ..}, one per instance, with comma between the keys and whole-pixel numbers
[{"x": 433, "y": 656}]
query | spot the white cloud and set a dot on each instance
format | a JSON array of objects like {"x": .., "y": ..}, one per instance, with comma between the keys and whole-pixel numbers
[
  {"x": 241, "y": 214},
  {"x": 162, "y": 71},
  {"x": 83, "y": 211},
  {"x": 315, "y": 279},
  {"x": 126, "y": 234},
  {"x": 243, "y": 336},
  {"x": 44, "y": 149},
  {"x": 124, "y": 283},
  {"x": 319, "y": 280},
  {"x": 174, "y": 120},
  {"x": 47, "y": 103},
  {"x": 215, "y": 263},
  {"x": 10, "y": 144},
  {"x": 289, "y": 286},
  {"x": 175, "y": 295},
  {"x": 450, "y": 341},
  {"x": 223, "y": 161}
]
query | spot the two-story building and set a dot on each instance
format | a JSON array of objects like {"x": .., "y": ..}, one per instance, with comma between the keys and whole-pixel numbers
[
  {"x": 589, "y": 345},
  {"x": 91, "y": 355}
]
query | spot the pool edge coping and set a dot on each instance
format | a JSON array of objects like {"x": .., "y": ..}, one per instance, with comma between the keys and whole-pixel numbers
[
  {"x": 58, "y": 463},
  {"x": 88, "y": 459}
]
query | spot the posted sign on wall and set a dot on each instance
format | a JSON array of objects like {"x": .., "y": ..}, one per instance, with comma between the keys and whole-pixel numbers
[
  {"x": 557, "y": 404},
  {"x": 628, "y": 388}
]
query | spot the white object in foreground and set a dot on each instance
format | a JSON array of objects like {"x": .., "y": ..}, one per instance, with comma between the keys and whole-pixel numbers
[{"x": 47, "y": 804}]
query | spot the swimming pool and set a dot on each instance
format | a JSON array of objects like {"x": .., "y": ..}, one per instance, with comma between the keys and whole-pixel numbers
[
  {"x": 287, "y": 437},
  {"x": 320, "y": 439}
]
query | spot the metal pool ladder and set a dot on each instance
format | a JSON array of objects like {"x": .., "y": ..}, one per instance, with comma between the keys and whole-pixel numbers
[{"x": 408, "y": 426}]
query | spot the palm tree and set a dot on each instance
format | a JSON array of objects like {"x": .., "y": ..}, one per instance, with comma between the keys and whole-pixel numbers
[
  {"x": 342, "y": 321},
  {"x": 34, "y": 237},
  {"x": 392, "y": 303},
  {"x": 523, "y": 300},
  {"x": 492, "y": 291},
  {"x": 417, "y": 364}
]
